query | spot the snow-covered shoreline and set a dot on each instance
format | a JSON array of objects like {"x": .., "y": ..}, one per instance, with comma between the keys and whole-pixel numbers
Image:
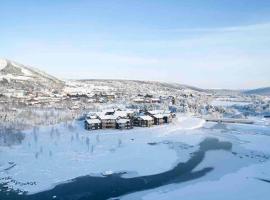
[{"x": 50, "y": 156}]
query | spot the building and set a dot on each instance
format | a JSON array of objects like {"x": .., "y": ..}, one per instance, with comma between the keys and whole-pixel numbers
[
  {"x": 124, "y": 124},
  {"x": 160, "y": 116},
  {"x": 155, "y": 100},
  {"x": 93, "y": 124},
  {"x": 143, "y": 121},
  {"x": 139, "y": 100},
  {"x": 108, "y": 121},
  {"x": 126, "y": 119},
  {"x": 158, "y": 119}
]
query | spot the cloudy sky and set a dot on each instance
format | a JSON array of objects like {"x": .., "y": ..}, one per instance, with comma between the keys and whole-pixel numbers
[{"x": 205, "y": 43}]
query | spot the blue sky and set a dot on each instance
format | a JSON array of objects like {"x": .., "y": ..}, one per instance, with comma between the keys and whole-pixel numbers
[{"x": 205, "y": 43}]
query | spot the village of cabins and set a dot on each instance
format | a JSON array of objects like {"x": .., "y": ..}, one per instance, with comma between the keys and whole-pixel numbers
[{"x": 126, "y": 119}]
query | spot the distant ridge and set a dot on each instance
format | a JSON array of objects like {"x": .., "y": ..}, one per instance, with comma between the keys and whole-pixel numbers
[
  {"x": 18, "y": 76},
  {"x": 259, "y": 91},
  {"x": 164, "y": 84}
]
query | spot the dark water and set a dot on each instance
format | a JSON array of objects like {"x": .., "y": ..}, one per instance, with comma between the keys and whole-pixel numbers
[
  {"x": 264, "y": 180},
  {"x": 101, "y": 188}
]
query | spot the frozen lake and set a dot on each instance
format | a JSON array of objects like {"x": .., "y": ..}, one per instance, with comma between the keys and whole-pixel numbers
[{"x": 168, "y": 161}]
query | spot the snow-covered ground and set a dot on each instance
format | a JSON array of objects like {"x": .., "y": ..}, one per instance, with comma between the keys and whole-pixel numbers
[
  {"x": 224, "y": 103},
  {"x": 241, "y": 174},
  {"x": 52, "y": 155}
]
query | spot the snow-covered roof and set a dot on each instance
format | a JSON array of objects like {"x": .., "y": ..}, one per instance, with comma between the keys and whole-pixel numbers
[
  {"x": 120, "y": 113},
  {"x": 158, "y": 116},
  {"x": 93, "y": 121},
  {"x": 155, "y": 112},
  {"x": 155, "y": 99},
  {"x": 92, "y": 114},
  {"x": 99, "y": 114},
  {"x": 104, "y": 117},
  {"x": 166, "y": 114},
  {"x": 138, "y": 99},
  {"x": 123, "y": 121},
  {"x": 146, "y": 117}
]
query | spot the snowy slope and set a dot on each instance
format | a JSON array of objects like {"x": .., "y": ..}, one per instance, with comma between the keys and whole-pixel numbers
[
  {"x": 14, "y": 70},
  {"x": 18, "y": 76}
]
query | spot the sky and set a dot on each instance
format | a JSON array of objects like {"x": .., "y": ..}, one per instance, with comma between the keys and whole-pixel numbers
[{"x": 203, "y": 43}]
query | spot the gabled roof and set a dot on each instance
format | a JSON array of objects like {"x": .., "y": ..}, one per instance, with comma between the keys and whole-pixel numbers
[
  {"x": 108, "y": 117},
  {"x": 93, "y": 121},
  {"x": 146, "y": 117},
  {"x": 159, "y": 116}
]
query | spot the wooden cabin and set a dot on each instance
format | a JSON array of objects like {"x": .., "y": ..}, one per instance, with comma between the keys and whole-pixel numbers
[
  {"x": 92, "y": 124},
  {"x": 158, "y": 119},
  {"x": 124, "y": 124},
  {"x": 143, "y": 121},
  {"x": 160, "y": 116}
]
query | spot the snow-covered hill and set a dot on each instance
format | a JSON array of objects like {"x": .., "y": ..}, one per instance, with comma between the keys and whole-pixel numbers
[
  {"x": 17, "y": 76},
  {"x": 132, "y": 87},
  {"x": 260, "y": 91}
]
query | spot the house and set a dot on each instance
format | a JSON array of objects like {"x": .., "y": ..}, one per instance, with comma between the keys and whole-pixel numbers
[
  {"x": 125, "y": 119},
  {"x": 124, "y": 124},
  {"x": 160, "y": 116},
  {"x": 93, "y": 124},
  {"x": 155, "y": 100},
  {"x": 158, "y": 119},
  {"x": 139, "y": 100},
  {"x": 143, "y": 121},
  {"x": 108, "y": 121}
]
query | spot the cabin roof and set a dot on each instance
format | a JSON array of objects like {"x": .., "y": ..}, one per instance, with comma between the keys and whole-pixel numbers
[
  {"x": 167, "y": 114},
  {"x": 159, "y": 116},
  {"x": 155, "y": 112},
  {"x": 146, "y": 117},
  {"x": 93, "y": 121}
]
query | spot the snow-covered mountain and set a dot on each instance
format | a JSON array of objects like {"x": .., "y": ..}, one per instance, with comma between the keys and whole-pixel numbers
[
  {"x": 17, "y": 79},
  {"x": 17, "y": 76}
]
